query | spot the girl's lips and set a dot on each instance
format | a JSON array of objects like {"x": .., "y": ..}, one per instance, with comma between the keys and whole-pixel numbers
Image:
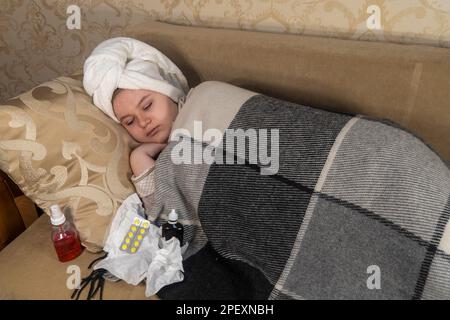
[{"x": 153, "y": 131}]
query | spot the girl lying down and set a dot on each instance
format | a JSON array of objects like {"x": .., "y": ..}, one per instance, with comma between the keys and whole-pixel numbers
[
  {"x": 140, "y": 88},
  {"x": 352, "y": 192}
]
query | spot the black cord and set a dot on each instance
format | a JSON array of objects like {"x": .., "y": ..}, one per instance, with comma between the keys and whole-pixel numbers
[
  {"x": 96, "y": 260},
  {"x": 96, "y": 281},
  {"x": 101, "y": 288}
]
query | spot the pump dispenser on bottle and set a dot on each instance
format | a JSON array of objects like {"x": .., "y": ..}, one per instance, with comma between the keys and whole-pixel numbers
[
  {"x": 64, "y": 236},
  {"x": 173, "y": 228}
]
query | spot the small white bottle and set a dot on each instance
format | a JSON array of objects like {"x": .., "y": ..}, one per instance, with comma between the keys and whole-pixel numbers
[{"x": 173, "y": 228}]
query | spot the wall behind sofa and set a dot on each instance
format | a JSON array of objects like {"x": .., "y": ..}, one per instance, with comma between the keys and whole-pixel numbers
[{"x": 36, "y": 44}]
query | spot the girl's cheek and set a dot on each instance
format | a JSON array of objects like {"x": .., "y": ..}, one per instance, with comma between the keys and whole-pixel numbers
[
  {"x": 131, "y": 132},
  {"x": 138, "y": 133}
]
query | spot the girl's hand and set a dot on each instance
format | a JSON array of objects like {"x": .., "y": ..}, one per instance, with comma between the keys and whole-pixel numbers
[
  {"x": 140, "y": 161},
  {"x": 143, "y": 157},
  {"x": 152, "y": 149}
]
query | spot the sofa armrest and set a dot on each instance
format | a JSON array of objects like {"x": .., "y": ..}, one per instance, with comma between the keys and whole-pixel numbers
[{"x": 11, "y": 223}]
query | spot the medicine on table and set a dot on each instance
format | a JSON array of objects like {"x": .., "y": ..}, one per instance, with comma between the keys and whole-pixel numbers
[{"x": 135, "y": 235}]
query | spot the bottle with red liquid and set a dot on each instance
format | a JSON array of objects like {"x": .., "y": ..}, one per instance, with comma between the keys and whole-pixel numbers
[{"x": 64, "y": 236}]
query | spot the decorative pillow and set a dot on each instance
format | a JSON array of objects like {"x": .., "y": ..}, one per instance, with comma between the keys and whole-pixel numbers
[{"x": 59, "y": 148}]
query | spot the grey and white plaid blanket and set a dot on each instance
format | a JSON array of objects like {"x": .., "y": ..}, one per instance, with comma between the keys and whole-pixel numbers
[{"x": 358, "y": 208}]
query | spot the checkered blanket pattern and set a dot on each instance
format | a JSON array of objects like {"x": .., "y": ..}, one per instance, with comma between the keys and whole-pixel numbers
[{"x": 352, "y": 193}]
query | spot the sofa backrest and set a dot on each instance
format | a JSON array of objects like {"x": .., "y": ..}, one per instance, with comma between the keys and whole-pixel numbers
[{"x": 408, "y": 84}]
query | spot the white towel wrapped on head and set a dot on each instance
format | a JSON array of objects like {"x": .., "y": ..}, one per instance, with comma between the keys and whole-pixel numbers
[{"x": 128, "y": 63}]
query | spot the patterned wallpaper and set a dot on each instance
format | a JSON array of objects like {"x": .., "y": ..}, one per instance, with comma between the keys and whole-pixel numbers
[{"x": 42, "y": 39}]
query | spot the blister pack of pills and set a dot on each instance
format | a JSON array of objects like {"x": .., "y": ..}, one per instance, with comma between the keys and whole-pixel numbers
[{"x": 135, "y": 235}]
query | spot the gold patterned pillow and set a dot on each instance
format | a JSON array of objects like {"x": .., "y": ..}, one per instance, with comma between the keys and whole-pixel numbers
[{"x": 59, "y": 148}]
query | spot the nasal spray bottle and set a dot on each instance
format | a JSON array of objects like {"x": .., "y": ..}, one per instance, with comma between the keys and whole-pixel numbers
[
  {"x": 173, "y": 228},
  {"x": 64, "y": 236}
]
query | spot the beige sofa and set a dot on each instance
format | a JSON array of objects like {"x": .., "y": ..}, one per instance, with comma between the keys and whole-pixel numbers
[{"x": 404, "y": 83}]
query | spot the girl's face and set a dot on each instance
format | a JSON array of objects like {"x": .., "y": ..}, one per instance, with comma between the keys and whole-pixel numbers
[{"x": 146, "y": 115}]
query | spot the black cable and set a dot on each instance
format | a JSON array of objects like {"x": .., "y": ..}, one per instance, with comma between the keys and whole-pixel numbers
[
  {"x": 97, "y": 284},
  {"x": 101, "y": 288},
  {"x": 96, "y": 260},
  {"x": 95, "y": 280},
  {"x": 83, "y": 284}
]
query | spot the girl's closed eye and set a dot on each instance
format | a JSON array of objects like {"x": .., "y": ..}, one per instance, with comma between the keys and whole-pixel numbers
[
  {"x": 148, "y": 106},
  {"x": 129, "y": 122}
]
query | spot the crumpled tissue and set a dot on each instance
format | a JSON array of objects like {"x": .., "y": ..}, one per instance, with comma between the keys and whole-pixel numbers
[{"x": 157, "y": 260}]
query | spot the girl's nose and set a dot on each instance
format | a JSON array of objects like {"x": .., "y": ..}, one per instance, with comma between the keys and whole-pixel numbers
[{"x": 145, "y": 122}]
